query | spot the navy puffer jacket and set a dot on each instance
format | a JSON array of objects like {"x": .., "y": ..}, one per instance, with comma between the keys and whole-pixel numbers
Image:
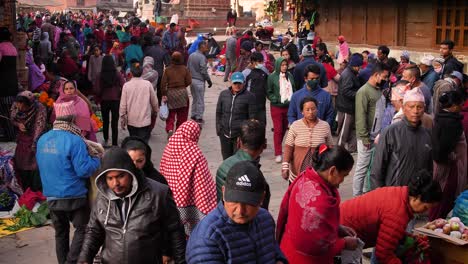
[{"x": 217, "y": 239}]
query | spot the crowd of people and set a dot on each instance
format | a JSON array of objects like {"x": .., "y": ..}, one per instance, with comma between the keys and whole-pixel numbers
[{"x": 390, "y": 113}]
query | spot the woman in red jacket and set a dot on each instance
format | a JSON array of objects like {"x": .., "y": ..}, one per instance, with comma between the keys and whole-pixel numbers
[
  {"x": 381, "y": 217},
  {"x": 308, "y": 223}
]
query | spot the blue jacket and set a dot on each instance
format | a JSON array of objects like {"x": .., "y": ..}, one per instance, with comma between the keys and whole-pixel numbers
[
  {"x": 65, "y": 165},
  {"x": 133, "y": 52},
  {"x": 325, "y": 106},
  {"x": 298, "y": 72},
  {"x": 217, "y": 239},
  {"x": 429, "y": 78}
]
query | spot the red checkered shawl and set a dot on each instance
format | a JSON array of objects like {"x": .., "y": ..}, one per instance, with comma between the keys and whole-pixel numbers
[{"x": 186, "y": 170}]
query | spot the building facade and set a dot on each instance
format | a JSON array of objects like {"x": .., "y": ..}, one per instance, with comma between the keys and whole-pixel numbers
[{"x": 416, "y": 24}]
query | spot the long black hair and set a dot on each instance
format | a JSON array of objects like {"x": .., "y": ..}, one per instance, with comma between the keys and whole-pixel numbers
[
  {"x": 108, "y": 72},
  {"x": 423, "y": 186},
  {"x": 326, "y": 156}
]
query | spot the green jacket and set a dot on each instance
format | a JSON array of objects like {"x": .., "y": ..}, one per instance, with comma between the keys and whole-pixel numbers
[
  {"x": 225, "y": 167},
  {"x": 273, "y": 87},
  {"x": 366, "y": 99}
]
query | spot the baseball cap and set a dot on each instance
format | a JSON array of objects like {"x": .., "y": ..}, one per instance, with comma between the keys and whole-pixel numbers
[
  {"x": 244, "y": 184},
  {"x": 237, "y": 77}
]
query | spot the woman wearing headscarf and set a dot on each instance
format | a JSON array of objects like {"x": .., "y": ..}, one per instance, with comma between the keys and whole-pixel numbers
[
  {"x": 116, "y": 52},
  {"x": 151, "y": 75},
  {"x": 280, "y": 87},
  {"x": 140, "y": 152},
  {"x": 109, "y": 90},
  {"x": 29, "y": 116},
  {"x": 174, "y": 84},
  {"x": 35, "y": 76},
  {"x": 449, "y": 152},
  {"x": 343, "y": 47},
  {"x": 186, "y": 170},
  {"x": 309, "y": 230},
  {"x": 68, "y": 93}
]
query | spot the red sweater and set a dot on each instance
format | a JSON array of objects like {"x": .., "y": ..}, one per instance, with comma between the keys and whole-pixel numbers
[
  {"x": 308, "y": 221},
  {"x": 380, "y": 218}
]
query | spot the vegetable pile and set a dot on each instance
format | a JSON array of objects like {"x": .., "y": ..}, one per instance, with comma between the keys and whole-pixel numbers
[{"x": 25, "y": 218}]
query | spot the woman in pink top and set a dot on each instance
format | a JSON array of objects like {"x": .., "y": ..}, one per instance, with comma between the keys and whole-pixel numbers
[{"x": 68, "y": 93}]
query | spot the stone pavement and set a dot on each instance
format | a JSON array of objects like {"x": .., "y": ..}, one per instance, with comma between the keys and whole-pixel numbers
[{"x": 38, "y": 245}]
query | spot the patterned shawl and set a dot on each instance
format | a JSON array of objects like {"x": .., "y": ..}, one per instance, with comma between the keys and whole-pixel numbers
[
  {"x": 187, "y": 173},
  {"x": 94, "y": 149}
]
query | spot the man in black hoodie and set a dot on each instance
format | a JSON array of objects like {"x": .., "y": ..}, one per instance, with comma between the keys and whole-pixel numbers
[{"x": 131, "y": 216}]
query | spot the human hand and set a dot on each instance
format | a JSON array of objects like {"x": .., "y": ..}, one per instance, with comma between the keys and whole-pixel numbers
[
  {"x": 344, "y": 231},
  {"x": 351, "y": 243},
  {"x": 22, "y": 127},
  {"x": 210, "y": 83},
  {"x": 123, "y": 124},
  {"x": 166, "y": 259},
  {"x": 285, "y": 174}
]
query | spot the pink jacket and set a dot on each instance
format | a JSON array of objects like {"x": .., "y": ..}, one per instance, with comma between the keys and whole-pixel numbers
[{"x": 138, "y": 102}]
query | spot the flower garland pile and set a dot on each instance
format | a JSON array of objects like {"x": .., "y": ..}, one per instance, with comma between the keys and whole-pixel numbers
[{"x": 44, "y": 98}]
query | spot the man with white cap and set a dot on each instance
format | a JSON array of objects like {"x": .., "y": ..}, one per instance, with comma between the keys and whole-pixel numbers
[
  {"x": 404, "y": 148},
  {"x": 452, "y": 82},
  {"x": 428, "y": 75},
  {"x": 238, "y": 230}
]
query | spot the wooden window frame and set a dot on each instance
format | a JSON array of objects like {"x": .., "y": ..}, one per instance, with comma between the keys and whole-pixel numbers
[{"x": 443, "y": 27}]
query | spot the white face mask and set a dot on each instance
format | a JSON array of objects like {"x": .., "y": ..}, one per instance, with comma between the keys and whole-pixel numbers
[
  {"x": 438, "y": 70},
  {"x": 259, "y": 66}
]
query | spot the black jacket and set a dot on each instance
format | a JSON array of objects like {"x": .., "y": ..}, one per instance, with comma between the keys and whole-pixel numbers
[
  {"x": 256, "y": 83},
  {"x": 347, "y": 88},
  {"x": 131, "y": 229},
  {"x": 160, "y": 56},
  {"x": 232, "y": 110},
  {"x": 148, "y": 169},
  {"x": 446, "y": 134},
  {"x": 402, "y": 151},
  {"x": 452, "y": 64}
]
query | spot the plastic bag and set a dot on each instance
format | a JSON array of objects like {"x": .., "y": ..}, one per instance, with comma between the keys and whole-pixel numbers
[
  {"x": 163, "y": 111},
  {"x": 352, "y": 256}
]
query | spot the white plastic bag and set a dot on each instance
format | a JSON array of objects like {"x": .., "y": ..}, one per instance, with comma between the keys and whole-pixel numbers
[{"x": 163, "y": 111}]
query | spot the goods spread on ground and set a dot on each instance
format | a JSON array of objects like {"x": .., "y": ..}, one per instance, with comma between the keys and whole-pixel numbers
[{"x": 452, "y": 230}]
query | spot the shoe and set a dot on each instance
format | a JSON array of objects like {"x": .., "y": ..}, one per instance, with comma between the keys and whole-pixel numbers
[
  {"x": 105, "y": 144},
  {"x": 278, "y": 159},
  {"x": 169, "y": 134}
]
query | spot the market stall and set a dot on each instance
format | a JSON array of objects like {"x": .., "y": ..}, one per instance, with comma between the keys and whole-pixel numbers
[{"x": 448, "y": 238}]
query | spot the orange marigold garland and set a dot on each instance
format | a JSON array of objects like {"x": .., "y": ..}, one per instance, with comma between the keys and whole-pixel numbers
[
  {"x": 97, "y": 122},
  {"x": 44, "y": 99}
]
